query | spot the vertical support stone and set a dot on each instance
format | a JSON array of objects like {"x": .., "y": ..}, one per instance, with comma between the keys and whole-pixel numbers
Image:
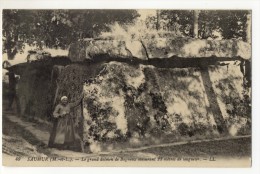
[
  {"x": 247, "y": 71},
  {"x": 213, "y": 103}
]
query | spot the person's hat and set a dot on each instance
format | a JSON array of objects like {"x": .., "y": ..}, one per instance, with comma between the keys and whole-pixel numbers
[{"x": 64, "y": 98}]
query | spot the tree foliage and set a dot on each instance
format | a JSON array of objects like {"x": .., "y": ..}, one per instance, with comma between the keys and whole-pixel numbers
[
  {"x": 229, "y": 23},
  {"x": 56, "y": 28},
  {"x": 178, "y": 21}
]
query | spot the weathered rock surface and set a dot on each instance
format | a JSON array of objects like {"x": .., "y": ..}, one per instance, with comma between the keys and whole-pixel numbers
[
  {"x": 143, "y": 103},
  {"x": 150, "y": 48}
]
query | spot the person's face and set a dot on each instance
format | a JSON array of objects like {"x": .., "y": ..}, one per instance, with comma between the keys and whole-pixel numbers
[{"x": 64, "y": 101}]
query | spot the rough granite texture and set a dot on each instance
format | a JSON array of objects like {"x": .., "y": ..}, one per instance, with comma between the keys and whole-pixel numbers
[
  {"x": 142, "y": 103},
  {"x": 159, "y": 48}
]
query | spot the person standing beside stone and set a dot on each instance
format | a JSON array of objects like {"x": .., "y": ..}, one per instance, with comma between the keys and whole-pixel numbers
[{"x": 64, "y": 134}]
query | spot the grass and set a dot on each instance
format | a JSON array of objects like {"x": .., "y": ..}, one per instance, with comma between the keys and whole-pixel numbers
[{"x": 224, "y": 148}]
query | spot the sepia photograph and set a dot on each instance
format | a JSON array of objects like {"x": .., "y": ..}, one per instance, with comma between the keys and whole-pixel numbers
[{"x": 127, "y": 87}]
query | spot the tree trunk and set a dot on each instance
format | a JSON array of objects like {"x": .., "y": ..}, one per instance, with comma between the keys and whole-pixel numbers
[
  {"x": 11, "y": 53},
  {"x": 11, "y": 48},
  {"x": 248, "y": 27},
  {"x": 157, "y": 20},
  {"x": 195, "y": 23}
]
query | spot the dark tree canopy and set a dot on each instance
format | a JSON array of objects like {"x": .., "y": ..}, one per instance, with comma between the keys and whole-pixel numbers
[
  {"x": 178, "y": 21},
  {"x": 56, "y": 28},
  {"x": 230, "y": 23}
]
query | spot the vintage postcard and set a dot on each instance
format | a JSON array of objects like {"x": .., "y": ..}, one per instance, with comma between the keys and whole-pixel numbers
[{"x": 162, "y": 87}]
